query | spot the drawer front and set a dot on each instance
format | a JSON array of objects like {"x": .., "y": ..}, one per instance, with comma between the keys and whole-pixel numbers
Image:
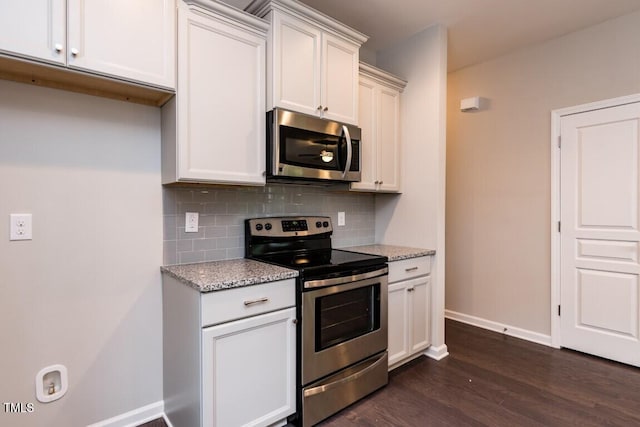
[
  {"x": 409, "y": 268},
  {"x": 223, "y": 306}
]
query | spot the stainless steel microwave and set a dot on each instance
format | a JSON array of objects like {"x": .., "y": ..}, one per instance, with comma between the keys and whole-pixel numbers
[{"x": 303, "y": 147}]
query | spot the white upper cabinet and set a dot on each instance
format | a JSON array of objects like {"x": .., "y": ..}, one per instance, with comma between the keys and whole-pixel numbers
[
  {"x": 34, "y": 29},
  {"x": 130, "y": 40},
  {"x": 312, "y": 61},
  {"x": 214, "y": 128},
  {"x": 379, "y": 119},
  {"x": 134, "y": 40}
]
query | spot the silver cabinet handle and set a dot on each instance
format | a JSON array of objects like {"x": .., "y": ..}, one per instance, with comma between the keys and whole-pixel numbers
[
  {"x": 58, "y": 47},
  {"x": 411, "y": 268},
  {"x": 256, "y": 301},
  {"x": 349, "y": 150},
  {"x": 329, "y": 386},
  {"x": 74, "y": 51}
]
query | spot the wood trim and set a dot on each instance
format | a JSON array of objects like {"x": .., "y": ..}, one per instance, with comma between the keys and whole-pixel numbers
[{"x": 56, "y": 77}]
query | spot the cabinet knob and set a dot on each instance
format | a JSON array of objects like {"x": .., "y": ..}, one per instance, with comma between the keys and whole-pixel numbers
[
  {"x": 74, "y": 51},
  {"x": 376, "y": 182},
  {"x": 409, "y": 289},
  {"x": 319, "y": 108},
  {"x": 325, "y": 109},
  {"x": 58, "y": 47},
  {"x": 295, "y": 321},
  {"x": 381, "y": 182}
]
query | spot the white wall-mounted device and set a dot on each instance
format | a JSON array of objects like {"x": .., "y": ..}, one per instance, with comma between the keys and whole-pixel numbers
[
  {"x": 470, "y": 104},
  {"x": 51, "y": 383}
]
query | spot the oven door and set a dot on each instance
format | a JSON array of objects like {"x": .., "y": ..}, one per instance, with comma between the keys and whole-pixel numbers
[{"x": 343, "y": 323}]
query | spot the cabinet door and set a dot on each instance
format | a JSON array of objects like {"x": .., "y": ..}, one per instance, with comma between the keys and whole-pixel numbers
[
  {"x": 134, "y": 40},
  {"x": 398, "y": 319},
  {"x": 420, "y": 313},
  {"x": 34, "y": 29},
  {"x": 221, "y": 101},
  {"x": 367, "y": 121},
  {"x": 248, "y": 371},
  {"x": 388, "y": 140},
  {"x": 296, "y": 65},
  {"x": 339, "y": 79}
]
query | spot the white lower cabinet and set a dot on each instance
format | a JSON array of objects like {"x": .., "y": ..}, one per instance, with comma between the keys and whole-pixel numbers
[
  {"x": 248, "y": 370},
  {"x": 409, "y": 309},
  {"x": 229, "y": 355}
]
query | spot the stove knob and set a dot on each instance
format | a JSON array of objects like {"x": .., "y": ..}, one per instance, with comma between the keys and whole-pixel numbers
[
  {"x": 267, "y": 226},
  {"x": 258, "y": 227},
  {"x": 318, "y": 224},
  {"x": 325, "y": 224}
]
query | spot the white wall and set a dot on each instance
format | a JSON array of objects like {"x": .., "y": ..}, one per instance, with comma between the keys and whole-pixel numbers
[
  {"x": 498, "y": 166},
  {"x": 416, "y": 218},
  {"x": 85, "y": 292}
]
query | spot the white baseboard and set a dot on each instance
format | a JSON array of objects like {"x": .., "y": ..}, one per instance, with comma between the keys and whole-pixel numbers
[
  {"x": 500, "y": 327},
  {"x": 136, "y": 417},
  {"x": 437, "y": 353}
]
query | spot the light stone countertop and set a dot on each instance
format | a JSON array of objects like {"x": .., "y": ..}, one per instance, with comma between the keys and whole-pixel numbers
[
  {"x": 394, "y": 253},
  {"x": 220, "y": 275}
]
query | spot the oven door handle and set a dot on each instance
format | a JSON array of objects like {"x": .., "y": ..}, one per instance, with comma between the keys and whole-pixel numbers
[
  {"x": 327, "y": 387},
  {"x": 347, "y": 167},
  {"x": 345, "y": 279}
]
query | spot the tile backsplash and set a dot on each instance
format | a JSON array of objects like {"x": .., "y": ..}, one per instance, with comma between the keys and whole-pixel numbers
[{"x": 222, "y": 212}]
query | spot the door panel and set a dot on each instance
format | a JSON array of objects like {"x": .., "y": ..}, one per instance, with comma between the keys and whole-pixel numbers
[{"x": 600, "y": 238}]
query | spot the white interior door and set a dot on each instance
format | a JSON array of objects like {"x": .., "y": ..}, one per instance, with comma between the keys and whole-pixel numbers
[{"x": 599, "y": 234}]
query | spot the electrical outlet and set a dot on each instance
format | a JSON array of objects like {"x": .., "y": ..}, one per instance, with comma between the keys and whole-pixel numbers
[
  {"x": 191, "y": 222},
  {"x": 20, "y": 227},
  {"x": 341, "y": 219}
]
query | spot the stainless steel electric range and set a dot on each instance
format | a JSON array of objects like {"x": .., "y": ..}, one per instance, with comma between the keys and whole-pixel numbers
[{"x": 341, "y": 312}]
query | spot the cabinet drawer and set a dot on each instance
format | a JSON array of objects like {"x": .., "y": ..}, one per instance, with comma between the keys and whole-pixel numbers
[
  {"x": 223, "y": 306},
  {"x": 408, "y": 268}
]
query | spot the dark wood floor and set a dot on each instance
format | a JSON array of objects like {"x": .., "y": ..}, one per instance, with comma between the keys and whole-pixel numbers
[{"x": 490, "y": 379}]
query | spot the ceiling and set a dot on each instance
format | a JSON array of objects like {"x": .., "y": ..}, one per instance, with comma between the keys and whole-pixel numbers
[{"x": 478, "y": 29}]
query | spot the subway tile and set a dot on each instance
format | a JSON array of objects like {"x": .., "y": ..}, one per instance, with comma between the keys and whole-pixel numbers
[
  {"x": 184, "y": 246},
  {"x": 237, "y": 208},
  {"x": 169, "y": 201},
  {"x": 204, "y": 196},
  {"x": 204, "y": 244},
  {"x": 182, "y": 235},
  {"x": 235, "y": 231},
  {"x": 169, "y": 252},
  {"x": 230, "y": 242},
  {"x": 215, "y": 232},
  {"x": 226, "y": 220},
  {"x": 170, "y": 227},
  {"x": 190, "y": 257},
  {"x": 235, "y": 253},
  {"x": 215, "y": 255},
  {"x": 190, "y": 207}
]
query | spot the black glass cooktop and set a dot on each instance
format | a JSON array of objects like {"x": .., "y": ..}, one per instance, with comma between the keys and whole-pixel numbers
[{"x": 325, "y": 262}]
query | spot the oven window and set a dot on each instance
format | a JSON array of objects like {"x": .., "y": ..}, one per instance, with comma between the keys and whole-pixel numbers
[{"x": 346, "y": 315}]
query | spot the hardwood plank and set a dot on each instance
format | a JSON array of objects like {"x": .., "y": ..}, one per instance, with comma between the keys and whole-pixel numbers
[{"x": 491, "y": 379}]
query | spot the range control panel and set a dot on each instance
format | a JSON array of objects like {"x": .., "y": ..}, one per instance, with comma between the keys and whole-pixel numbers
[{"x": 289, "y": 226}]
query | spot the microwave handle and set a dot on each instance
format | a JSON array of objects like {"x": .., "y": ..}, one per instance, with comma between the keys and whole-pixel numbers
[{"x": 349, "y": 151}]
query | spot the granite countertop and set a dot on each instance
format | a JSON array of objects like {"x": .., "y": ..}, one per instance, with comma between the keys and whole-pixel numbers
[
  {"x": 394, "y": 253},
  {"x": 220, "y": 275}
]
